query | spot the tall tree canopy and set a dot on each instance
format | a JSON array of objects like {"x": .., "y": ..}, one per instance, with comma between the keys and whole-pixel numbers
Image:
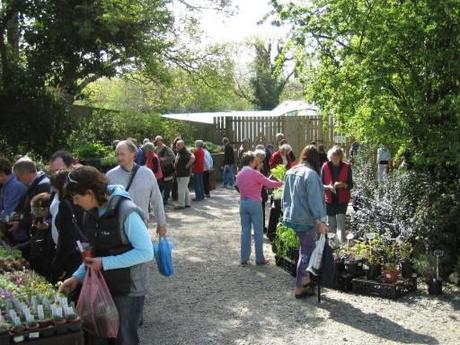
[
  {"x": 388, "y": 70},
  {"x": 66, "y": 44},
  {"x": 267, "y": 76}
]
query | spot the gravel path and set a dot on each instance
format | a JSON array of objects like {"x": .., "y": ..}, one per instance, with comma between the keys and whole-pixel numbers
[{"x": 211, "y": 300}]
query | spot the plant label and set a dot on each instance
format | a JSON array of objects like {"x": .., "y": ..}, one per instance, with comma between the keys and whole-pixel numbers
[{"x": 34, "y": 335}]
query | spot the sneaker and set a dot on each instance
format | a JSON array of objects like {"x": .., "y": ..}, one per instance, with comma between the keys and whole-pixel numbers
[{"x": 179, "y": 207}]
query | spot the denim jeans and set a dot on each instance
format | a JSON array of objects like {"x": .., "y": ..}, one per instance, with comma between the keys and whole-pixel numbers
[
  {"x": 130, "y": 310},
  {"x": 229, "y": 175},
  {"x": 307, "y": 245},
  {"x": 198, "y": 185},
  {"x": 336, "y": 224},
  {"x": 251, "y": 216}
]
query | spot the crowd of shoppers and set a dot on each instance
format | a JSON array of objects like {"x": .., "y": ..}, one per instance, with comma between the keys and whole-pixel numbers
[{"x": 112, "y": 212}]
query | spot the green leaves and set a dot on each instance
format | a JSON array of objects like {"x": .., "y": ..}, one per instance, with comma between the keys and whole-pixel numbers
[
  {"x": 285, "y": 239},
  {"x": 388, "y": 71}
]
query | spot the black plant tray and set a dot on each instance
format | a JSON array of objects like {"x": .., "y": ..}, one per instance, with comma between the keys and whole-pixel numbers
[
  {"x": 293, "y": 254},
  {"x": 287, "y": 264},
  {"x": 344, "y": 281},
  {"x": 384, "y": 290},
  {"x": 68, "y": 334}
]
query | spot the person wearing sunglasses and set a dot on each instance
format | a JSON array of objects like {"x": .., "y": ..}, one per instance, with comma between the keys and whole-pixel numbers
[{"x": 120, "y": 243}]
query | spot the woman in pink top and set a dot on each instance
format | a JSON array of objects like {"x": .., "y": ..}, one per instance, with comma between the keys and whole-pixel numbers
[{"x": 250, "y": 182}]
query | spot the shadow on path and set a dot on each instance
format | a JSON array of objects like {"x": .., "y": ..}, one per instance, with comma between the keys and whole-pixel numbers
[{"x": 372, "y": 323}]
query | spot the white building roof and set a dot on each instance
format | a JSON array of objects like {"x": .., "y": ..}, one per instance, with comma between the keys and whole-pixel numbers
[{"x": 287, "y": 108}]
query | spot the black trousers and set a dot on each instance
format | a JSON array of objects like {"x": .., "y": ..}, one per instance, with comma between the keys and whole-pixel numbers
[
  {"x": 275, "y": 214},
  {"x": 206, "y": 182},
  {"x": 165, "y": 189},
  {"x": 174, "y": 193}
]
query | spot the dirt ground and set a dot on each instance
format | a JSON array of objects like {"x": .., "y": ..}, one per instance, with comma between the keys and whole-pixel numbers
[{"x": 212, "y": 300}]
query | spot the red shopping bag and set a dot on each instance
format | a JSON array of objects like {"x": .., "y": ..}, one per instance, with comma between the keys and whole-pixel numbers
[{"x": 96, "y": 307}]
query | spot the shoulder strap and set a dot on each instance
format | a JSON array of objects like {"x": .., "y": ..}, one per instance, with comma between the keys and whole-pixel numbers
[
  {"x": 74, "y": 222},
  {"x": 133, "y": 174}
]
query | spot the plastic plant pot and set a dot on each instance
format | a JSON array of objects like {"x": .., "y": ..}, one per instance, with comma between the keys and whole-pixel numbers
[{"x": 434, "y": 286}]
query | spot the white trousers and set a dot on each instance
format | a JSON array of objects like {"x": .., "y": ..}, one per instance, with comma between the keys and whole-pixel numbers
[{"x": 183, "y": 195}]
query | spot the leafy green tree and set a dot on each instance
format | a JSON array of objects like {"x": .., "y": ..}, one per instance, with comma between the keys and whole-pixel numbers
[
  {"x": 267, "y": 80},
  {"x": 208, "y": 86},
  {"x": 67, "y": 44},
  {"x": 388, "y": 70}
]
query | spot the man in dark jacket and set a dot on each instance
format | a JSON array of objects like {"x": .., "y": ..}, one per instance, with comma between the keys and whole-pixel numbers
[
  {"x": 167, "y": 157},
  {"x": 37, "y": 247},
  {"x": 36, "y": 182},
  {"x": 229, "y": 164},
  {"x": 183, "y": 162}
]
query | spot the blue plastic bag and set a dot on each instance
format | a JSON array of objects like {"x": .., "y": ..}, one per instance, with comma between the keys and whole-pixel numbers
[{"x": 163, "y": 256}]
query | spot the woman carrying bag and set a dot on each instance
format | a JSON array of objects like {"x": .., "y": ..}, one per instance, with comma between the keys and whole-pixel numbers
[
  {"x": 304, "y": 211},
  {"x": 120, "y": 246}
]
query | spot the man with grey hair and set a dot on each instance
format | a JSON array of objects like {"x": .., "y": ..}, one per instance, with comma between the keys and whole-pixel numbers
[
  {"x": 279, "y": 137},
  {"x": 140, "y": 183},
  {"x": 36, "y": 182},
  {"x": 167, "y": 157},
  {"x": 198, "y": 170}
]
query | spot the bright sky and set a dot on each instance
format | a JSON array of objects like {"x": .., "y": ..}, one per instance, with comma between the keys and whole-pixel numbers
[
  {"x": 219, "y": 28},
  {"x": 241, "y": 26}
]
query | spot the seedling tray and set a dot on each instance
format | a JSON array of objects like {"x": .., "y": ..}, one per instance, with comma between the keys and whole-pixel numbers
[
  {"x": 287, "y": 264},
  {"x": 68, "y": 334},
  {"x": 384, "y": 290}
]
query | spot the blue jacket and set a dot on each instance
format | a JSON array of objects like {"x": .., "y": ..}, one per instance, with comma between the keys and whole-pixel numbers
[
  {"x": 140, "y": 156},
  {"x": 137, "y": 234},
  {"x": 10, "y": 193},
  {"x": 303, "y": 197}
]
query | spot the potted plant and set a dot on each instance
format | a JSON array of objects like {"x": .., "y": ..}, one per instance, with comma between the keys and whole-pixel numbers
[
  {"x": 391, "y": 261},
  {"x": 405, "y": 253},
  {"x": 32, "y": 326},
  {"x": 424, "y": 265},
  {"x": 60, "y": 323},
  {"x": 4, "y": 331},
  {"x": 74, "y": 321},
  {"x": 18, "y": 333}
]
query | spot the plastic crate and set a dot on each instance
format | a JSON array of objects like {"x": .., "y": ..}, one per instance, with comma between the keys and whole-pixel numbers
[
  {"x": 287, "y": 264},
  {"x": 293, "y": 254},
  {"x": 384, "y": 290},
  {"x": 354, "y": 267}
]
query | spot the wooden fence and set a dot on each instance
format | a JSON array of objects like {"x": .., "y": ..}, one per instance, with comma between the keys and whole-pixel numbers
[{"x": 299, "y": 130}]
